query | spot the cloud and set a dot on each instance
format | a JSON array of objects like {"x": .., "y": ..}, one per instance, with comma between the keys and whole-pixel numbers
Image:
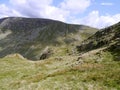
[
  {"x": 5, "y": 11},
  {"x": 40, "y": 9},
  {"x": 55, "y": 13},
  {"x": 46, "y": 9},
  {"x": 107, "y": 4},
  {"x": 96, "y": 20},
  {"x": 67, "y": 11},
  {"x": 75, "y": 6}
]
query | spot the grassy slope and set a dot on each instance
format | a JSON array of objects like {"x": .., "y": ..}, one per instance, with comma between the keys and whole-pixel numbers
[
  {"x": 97, "y": 72},
  {"x": 97, "y": 69}
]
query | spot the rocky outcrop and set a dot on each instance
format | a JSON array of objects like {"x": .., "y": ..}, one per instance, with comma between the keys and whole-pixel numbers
[
  {"x": 101, "y": 38},
  {"x": 45, "y": 53}
]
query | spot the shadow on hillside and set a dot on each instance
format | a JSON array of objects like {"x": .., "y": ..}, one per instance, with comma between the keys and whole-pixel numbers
[{"x": 115, "y": 51}]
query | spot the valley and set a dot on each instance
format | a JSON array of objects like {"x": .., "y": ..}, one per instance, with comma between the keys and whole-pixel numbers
[{"x": 42, "y": 54}]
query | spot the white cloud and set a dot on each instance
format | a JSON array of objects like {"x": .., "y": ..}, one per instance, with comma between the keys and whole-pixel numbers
[
  {"x": 39, "y": 8},
  {"x": 44, "y": 8},
  {"x": 75, "y": 6},
  {"x": 106, "y": 4},
  {"x": 5, "y": 11},
  {"x": 66, "y": 11},
  {"x": 54, "y": 13},
  {"x": 96, "y": 20}
]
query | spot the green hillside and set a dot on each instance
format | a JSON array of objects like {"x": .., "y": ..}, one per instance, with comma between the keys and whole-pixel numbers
[
  {"x": 90, "y": 72},
  {"x": 30, "y": 36},
  {"x": 71, "y": 59},
  {"x": 108, "y": 37}
]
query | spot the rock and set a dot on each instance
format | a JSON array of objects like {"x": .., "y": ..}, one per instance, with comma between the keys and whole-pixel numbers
[{"x": 46, "y": 53}]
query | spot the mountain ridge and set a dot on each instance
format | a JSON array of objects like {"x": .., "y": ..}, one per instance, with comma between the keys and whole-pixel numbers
[
  {"x": 108, "y": 37},
  {"x": 75, "y": 59},
  {"x": 28, "y": 35}
]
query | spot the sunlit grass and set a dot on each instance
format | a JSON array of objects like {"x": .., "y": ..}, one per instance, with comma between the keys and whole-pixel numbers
[{"x": 61, "y": 73}]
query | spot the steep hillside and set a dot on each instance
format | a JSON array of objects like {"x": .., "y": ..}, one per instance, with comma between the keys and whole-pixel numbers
[
  {"x": 31, "y": 37},
  {"x": 108, "y": 37}
]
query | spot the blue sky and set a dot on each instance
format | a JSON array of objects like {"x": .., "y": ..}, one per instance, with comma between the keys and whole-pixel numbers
[{"x": 96, "y": 13}]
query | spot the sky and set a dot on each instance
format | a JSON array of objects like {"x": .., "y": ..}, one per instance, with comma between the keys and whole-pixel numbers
[{"x": 95, "y": 13}]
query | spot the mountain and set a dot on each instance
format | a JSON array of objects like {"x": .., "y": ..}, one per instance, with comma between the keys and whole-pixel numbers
[
  {"x": 33, "y": 38},
  {"x": 109, "y": 38},
  {"x": 77, "y": 57}
]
